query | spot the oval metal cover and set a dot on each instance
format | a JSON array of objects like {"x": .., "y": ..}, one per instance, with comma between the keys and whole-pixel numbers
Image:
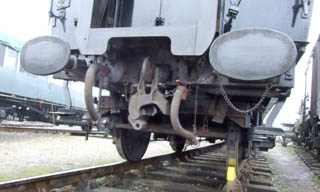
[
  {"x": 45, "y": 55},
  {"x": 253, "y": 54}
]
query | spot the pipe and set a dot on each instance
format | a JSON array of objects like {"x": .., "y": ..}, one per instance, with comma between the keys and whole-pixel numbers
[
  {"x": 89, "y": 82},
  {"x": 174, "y": 116},
  {"x": 67, "y": 96}
]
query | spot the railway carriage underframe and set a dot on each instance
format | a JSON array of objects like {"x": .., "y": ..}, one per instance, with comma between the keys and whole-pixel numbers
[{"x": 209, "y": 71}]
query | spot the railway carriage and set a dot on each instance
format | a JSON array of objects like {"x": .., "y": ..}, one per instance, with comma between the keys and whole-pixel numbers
[
  {"x": 179, "y": 69},
  {"x": 307, "y": 127},
  {"x": 24, "y": 96}
]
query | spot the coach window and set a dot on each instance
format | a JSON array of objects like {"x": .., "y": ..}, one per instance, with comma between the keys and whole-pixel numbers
[
  {"x": 19, "y": 64},
  {"x": 2, "y": 53},
  {"x": 10, "y": 59},
  {"x": 112, "y": 13}
]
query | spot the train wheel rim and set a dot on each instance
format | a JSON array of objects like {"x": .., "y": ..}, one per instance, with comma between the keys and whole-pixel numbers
[{"x": 131, "y": 144}]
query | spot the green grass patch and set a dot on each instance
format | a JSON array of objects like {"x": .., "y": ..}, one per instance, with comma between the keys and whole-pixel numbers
[
  {"x": 102, "y": 182},
  {"x": 36, "y": 171},
  {"x": 28, "y": 172},
  {"x": 282, "y": 185},
  {"x": 289, "y": 149},
  {"x": 316, "y": 180}
]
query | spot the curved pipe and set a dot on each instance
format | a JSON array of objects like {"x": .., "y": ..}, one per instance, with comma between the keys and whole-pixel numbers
[
  {"x": 89, "y": 82},
  {"x": 174, "y": 116}
]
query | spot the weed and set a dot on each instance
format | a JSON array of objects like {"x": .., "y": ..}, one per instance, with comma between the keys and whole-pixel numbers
[
  {"x": 316, "y": 180},
  {"x": 28, "y": 172},
  {"x": 36, "y": 171},
  {"x": 102, "y": 182}
]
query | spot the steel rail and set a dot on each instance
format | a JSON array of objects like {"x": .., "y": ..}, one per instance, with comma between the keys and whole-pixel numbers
[
  {"x": 310, "y": 159},
  {"x": 79, "y": 178}
]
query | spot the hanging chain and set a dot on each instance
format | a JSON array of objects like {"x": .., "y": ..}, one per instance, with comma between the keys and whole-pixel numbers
[
  {"x": 222, "y": 90},
  {"x": 228, "y": 101},
  {"x": 224, "y": 94},
  {"x": 202, "y": 79}
]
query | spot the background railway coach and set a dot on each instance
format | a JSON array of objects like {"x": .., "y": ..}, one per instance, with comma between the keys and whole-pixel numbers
[{"x": 24, "y": 96}]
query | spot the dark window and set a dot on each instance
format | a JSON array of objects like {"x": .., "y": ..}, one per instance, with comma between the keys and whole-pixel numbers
[
  {"x": 112, "y": 13},
  {"x": 2, "y": 53},
  {"x": 19, "y": 64}
]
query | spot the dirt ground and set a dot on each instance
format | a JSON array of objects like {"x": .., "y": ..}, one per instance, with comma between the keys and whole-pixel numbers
[
  {"x": 24, "y": 154},
  {"x": 290, "y": 173}
]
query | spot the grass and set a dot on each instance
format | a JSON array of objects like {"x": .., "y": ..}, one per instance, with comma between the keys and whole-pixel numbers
[
  {"x": 283, "y": 185},
  {"x": 102, "y": 182},
  {"x": 280, "y": 183},
  {"x": 28, "y": 172},
  {"x": 289, "y": 148},
  {"x": 316, "y": 180},
  {"x": 36, "y": 171}
]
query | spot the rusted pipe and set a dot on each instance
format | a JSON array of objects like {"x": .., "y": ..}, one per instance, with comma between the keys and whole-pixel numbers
[
  {"x": 89, "y": 82},
  {"x": 174, "y": 116}
]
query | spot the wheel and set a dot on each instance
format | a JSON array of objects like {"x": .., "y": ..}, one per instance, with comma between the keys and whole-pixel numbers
[
  {"x": 131, "y": 144},
  {"x": 177, "y": 143}
]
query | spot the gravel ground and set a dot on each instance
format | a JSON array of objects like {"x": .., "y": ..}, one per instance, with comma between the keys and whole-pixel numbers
[
  {"x": 289, "y": 172},
  {"x": 25, "y": 155}
]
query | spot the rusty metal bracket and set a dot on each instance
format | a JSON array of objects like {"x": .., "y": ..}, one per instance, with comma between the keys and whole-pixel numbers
[{"x": 144, "y": 104}]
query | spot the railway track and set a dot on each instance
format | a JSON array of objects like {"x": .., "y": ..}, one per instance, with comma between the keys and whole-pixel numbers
[
  {"x": 43, "y": 129},
  {"x": 310, "y": 159},
  {"x": 201, "y": 169}
]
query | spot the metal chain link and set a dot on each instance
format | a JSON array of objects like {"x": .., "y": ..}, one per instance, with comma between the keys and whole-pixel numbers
[
  {"x": 204, "y": 77},
  {"x": 225, "y": 96},
  {"x": 200, "y": 80},
  {"x": 228, "y": 101}
]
